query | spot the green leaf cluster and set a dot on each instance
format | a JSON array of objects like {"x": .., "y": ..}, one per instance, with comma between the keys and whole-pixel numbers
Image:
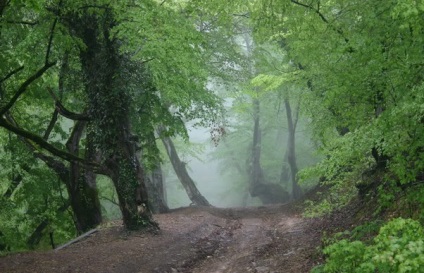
[{"x": 398, "y": 247}]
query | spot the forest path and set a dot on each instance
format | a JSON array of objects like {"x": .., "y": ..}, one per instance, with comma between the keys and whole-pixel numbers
[{"x": 198, "y": 240}]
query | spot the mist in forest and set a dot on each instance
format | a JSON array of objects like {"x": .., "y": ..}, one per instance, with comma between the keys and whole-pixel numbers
[
  {"x": 224, "y": 189},
  {"x": 206, "y": 174}
]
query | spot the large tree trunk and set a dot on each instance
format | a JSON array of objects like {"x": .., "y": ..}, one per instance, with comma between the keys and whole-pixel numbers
[
  {"x": 82, "y": 186},
  {"x": 109, "y": 110},
  {"x": 180, "y": 169},
  {"x": 268, "y": 193}
]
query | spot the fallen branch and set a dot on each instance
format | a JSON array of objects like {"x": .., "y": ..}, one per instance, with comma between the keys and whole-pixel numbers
[{"x": 77, "y": 239}]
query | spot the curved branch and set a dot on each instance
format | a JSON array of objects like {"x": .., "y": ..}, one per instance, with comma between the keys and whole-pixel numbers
[
  {"x": 311, "y": 8},
  {"x": 75, "y": 137},
  {"x": 24, "y": 86},
  {"x": 51, "y": 125},
  {"x": 56, "y": 165},
  {"x": 323, "y": 18},
  {"x": 65, "y": 112},
  {"x": 69, "y": 114},
  {"x": 49, "y": 46},
  {"x": 42, "y": 143}
]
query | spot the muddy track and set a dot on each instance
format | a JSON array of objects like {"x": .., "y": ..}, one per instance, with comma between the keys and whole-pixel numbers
[{"x": 208, "y": 240}]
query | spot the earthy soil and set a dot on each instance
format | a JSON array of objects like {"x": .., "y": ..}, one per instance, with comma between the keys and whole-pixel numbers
[{"x": 258, "y": 239}]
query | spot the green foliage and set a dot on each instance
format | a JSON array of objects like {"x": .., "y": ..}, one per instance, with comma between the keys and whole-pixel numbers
[
  {"x": 336, "y": 197},
  {"x": 360, "y": 65},
  {"x": 108, "y": 199},
  {"x": 366, "y": 231},
  {"x": 415, "y": 203},
  {"x": 37, "y": 198},
  {"x": 399, "y": 247},
  {"x": 154, "y": 35}
]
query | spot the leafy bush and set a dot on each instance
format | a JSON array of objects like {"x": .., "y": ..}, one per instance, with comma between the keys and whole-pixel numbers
[{"x": 399, "y": 247}]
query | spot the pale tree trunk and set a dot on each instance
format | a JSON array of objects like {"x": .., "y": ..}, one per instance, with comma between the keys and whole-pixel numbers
[
  {"x": 291, "y": 149},
  {"x": 157, "y": 191},
  {"x": 256, "y": 172},
  {"x": 180, "y": 169}
]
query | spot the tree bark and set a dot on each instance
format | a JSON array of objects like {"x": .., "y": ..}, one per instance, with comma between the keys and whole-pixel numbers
[
  {"x": 109, "y": 110},
  {"x": 157, "y": 191},
  {"x": 82, "y": 186},
  {"x": 180, "y": 169},
  {"x": 256, "y": 172},
  {"x": 291, "y": 150}
]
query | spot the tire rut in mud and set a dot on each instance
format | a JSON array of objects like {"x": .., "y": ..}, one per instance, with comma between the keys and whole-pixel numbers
[{"x": 209, "y": 246}]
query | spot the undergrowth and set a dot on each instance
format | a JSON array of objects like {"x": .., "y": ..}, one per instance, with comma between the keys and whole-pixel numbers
[
  {"x": 392, "y": 242},
  {"x": 398, "y": 247}
]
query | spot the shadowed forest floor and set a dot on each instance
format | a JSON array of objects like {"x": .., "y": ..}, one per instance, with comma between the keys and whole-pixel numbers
[{"x": 258, "y": 239}]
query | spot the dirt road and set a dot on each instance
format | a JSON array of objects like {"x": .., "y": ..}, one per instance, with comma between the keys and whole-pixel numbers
[{"x": 198, "y": 240}]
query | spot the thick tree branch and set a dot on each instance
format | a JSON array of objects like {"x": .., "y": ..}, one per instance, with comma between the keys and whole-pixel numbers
[
  {"x": 51, "y": 125},
  {"x": 59, "y": 168},
  {"x": 32, "y": 140},
  {"x": 35, "y": 139},
  {"x": 24, "y": 86},
  {"x": 65, "y": 112},
  {"x": 49, "y": 46},
  {"x": 75, "y": 137}
]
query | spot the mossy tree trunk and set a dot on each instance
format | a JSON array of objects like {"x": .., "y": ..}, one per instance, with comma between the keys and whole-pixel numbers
[{"x": 109, "y": 109}]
